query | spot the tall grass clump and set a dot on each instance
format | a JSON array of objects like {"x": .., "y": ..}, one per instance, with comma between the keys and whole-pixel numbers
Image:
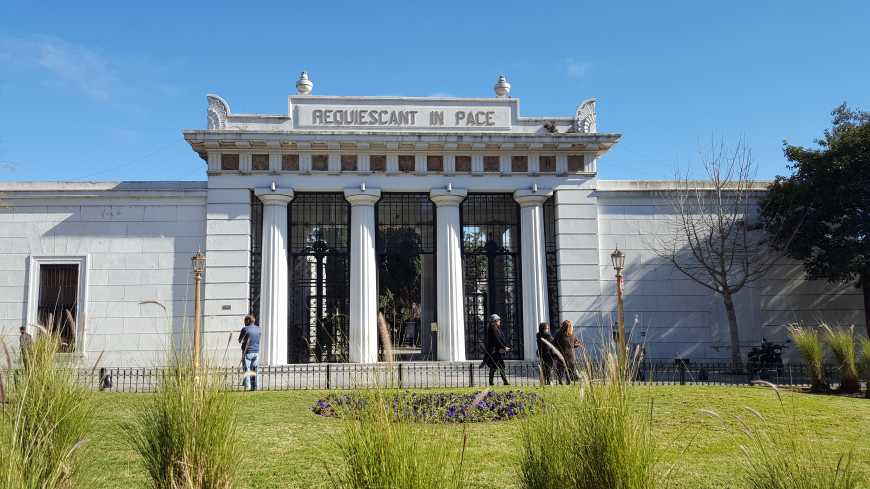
[
  {"x": 810, "y": 347},
  {"x": 381, "y": 450},
  {"x": 778, "y": 456},
  {"x": 842, "y": 345},
  {"x": 186, "y": 433},
  {"x": 865, "y": 363},
  {"x": 600, "y": 438},
  {"x": 43, "y": 422}
]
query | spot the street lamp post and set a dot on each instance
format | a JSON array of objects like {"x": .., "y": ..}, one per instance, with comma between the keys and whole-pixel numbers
[
  {"x": 618, "y": 259},
  {"x": 198, "y": 262}
]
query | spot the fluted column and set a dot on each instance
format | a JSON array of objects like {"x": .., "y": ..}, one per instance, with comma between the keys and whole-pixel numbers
[
  {"x": 274, "y": 278},
  {"x": 534, "y": 261},
  {"x": 363, "y": 276},
  {"x": 451, "y": 310}
]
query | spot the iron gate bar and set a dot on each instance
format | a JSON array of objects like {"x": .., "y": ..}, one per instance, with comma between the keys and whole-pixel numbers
[{"x": 256, "y": 254}]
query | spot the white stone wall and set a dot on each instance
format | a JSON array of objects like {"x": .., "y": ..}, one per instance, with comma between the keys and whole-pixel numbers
[
  {"x": 577, "y": 258},
  {"x": 676, "y": 318},
  {"x": 226, "y": 290},
  {"x": 137, "y": 239}
]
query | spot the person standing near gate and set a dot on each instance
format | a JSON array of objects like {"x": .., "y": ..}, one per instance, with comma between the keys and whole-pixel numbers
[
  {"x": 25, "y": 343},
  {"x": 545, "y": 352},
  {"x": 249, "y": 338},
  {"x": 566, "y": 342},
  {"x": 496, "y": 344}
]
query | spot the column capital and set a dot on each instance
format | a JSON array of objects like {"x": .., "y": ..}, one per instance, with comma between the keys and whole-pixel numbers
[
  {"x": 357, "y": 196},
  {"x": 447, "y": 197},
  {"x": 279, "y": 196},
  {"x": 532, "y": 197}
]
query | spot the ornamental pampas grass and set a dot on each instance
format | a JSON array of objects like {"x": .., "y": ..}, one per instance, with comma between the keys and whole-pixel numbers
[{"x": 44, "y": 421}]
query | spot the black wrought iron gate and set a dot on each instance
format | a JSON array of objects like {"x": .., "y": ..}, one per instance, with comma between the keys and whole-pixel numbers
[
  {"x": 491, "y": 270},
  {"x": 319, "y": 230}
]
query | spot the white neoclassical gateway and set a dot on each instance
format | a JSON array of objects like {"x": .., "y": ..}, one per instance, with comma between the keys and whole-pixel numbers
[{"x": 435, "y": 212}]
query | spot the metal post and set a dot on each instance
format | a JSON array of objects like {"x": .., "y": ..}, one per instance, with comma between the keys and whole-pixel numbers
[
  {"x": 471, "y": 375},
  {"x": 328, "y": 379},
  {"x": 620, "y": 317},
  {"x": 400, "y": 376},
  {"x": 198, "y": 262}
]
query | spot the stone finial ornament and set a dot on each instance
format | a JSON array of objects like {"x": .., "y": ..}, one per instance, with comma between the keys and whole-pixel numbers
[
  {"x": 218, "y": 111},
  {"x": 303, "y": 84},
  {"x": 502, "y": 87},
  {"x": 584, "y": 120}
]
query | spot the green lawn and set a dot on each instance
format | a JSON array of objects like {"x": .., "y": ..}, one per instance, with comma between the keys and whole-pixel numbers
[{"x": 285, "y": 446}]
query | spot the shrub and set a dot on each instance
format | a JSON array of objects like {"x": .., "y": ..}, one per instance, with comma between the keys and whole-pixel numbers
[
  {"x": 842, "y": 345},
  {"x": 382, "y": 451},
  {"x": 782, "y": 458},
  {"x": 43, "y": 423},
  {"x": 807, "y": 341},
  {"x": 186, "y": 433},
  {"x": 601, "y": 438},
  {"x": 865, "y": 362},
  {"x": 449, "y": 407}
]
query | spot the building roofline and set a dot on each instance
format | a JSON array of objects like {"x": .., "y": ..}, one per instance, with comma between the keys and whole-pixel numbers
[
  {"x": 34, "y": 189},
  {"x": 665, "y": 185}
]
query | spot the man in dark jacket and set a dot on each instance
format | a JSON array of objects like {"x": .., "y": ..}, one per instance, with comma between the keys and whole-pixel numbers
[
  {"x": 496, "y": 343},
  {"x": 545, "y": 352},
  {"x": 249, "y": 337}
]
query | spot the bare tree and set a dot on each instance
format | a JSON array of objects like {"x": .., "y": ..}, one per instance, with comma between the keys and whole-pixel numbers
[{"x": 715, "y": 238}]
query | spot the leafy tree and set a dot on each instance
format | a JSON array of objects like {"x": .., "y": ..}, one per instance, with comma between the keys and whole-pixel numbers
[{"x": 826, "y": 202}]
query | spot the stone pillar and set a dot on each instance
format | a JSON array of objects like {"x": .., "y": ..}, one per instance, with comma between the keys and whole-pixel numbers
[
  {"x": 363, "y": 276},
  {"x": 451, "y": 302},
  {"x": 274, "y": 277},
  {"x": 534, "y": 262}
]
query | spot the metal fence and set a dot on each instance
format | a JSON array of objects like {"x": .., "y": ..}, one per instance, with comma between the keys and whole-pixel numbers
[{"x": 410, "y": 375}]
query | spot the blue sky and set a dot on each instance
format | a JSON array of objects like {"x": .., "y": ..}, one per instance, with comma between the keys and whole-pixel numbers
[{"x": 102, "y": 91}]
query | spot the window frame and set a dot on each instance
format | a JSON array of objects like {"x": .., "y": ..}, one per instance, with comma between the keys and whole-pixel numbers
[{"x": 33, "y": 280}]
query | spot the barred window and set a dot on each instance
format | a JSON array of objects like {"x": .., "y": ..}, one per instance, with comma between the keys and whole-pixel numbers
[
  {"x": 230, "y": 161},
  {"x": 348, "y": 162},
  {"x": 463, "y": 164},
  {"x": 378, "y": 163},
  {"x": 290, "y": 162},
  {"x": 576, "y": 163},
  {"x": 519, "y": 164},
  {"x": 547, "y": 163},
  {"x": 320, "y": 162},
  {"x": 406, "y": 163},
  {"x": 260, "y": 162},
  {"x": 434, "y": 163}
]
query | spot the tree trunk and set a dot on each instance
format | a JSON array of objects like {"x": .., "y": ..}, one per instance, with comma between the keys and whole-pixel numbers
[
  {"x": 736, "y": 357},
  {"x": 865, "y": 287}
]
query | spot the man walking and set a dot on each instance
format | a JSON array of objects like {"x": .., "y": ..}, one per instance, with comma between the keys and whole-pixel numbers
[{"x": 249, "y": 338}]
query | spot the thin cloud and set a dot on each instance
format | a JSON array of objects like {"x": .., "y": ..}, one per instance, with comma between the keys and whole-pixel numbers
[
  {"x": 575, "y": 68},
  {"x": 64, "y": 62}
]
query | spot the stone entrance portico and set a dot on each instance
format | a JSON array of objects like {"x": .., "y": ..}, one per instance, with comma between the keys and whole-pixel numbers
[{"x": 366, "y": 147}]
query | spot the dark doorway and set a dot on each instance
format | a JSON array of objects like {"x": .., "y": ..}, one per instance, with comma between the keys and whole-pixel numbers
[
  {"x": 491, "y": 270},
  {"x": 319, "y": 261},
  {"x": 58, "y": 302},
  {"x": 406, "y": 272}
]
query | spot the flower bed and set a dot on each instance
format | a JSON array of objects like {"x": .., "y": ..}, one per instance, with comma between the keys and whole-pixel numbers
[{"x": 440, "y": 407}]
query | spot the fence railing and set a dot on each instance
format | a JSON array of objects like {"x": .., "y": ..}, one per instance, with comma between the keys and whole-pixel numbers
[{"x": 410, "y": 375}]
